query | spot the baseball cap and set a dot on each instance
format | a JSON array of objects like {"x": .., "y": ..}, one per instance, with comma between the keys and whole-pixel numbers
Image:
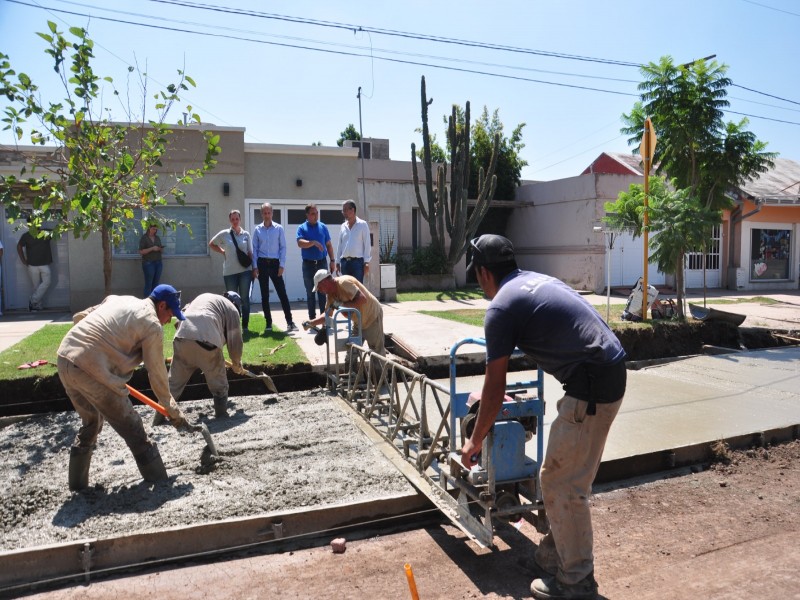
[
  {"x": 319, "y": 276},
  {"x": 235, "y": 299},
  {"x": 167, "y": 293},
  {"x": 490, "y": 249}
]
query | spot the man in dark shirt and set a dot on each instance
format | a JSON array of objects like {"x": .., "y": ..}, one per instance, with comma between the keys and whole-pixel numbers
[
  {"x": 36, "y": 254},
  {"x": 567, "y": 338}
]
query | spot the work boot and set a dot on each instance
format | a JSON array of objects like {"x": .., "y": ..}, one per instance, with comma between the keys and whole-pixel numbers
[
  {"x": 220, "y": 407},
  {"x": 79, "y": 460},
  {"x": 550, "y": 587},
  {"x": 159, "y": 419},
  {"x": 151, "y": 466}
]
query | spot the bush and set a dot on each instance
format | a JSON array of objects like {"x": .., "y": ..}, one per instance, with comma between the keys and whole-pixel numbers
[{"x": 424, "y": 261}]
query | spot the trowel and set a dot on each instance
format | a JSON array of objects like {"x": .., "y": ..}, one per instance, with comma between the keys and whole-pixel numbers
[{"x": 201, "y": 427}]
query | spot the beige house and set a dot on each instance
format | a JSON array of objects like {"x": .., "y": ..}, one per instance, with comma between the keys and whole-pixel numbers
[{"x": 246, "y": 175}]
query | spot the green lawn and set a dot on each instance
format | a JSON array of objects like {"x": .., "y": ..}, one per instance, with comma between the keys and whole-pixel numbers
[
  {"x": 432, "y": 295},
  {"x": 43, "y": 345}
]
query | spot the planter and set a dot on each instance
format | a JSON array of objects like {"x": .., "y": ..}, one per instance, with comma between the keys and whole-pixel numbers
[{"x": 411, "y": 283}]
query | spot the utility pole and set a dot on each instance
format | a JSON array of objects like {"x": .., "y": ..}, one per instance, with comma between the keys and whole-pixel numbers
[
  {"x": 363, "y": 178},
  {"x": 646, "y": 150}
]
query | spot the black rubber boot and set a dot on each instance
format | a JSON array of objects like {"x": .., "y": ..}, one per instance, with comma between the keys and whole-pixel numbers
[
  {"x": 220, "y": 407},
  {"x": 79, "y": 460},
  {"x": 151, "y": 466},
  {"x": 159, "y": 419}
]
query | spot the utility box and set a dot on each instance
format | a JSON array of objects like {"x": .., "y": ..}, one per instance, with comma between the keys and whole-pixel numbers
[{"x": 388, "y": 282}]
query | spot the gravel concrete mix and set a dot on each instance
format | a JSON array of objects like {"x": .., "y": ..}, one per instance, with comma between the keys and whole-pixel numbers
[{"x": 277, "y": 452}]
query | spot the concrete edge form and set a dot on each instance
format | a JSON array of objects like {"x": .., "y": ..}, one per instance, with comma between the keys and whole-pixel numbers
[
  {"x": 29, "y": 567},
  {"x": 662, "y": 460}
]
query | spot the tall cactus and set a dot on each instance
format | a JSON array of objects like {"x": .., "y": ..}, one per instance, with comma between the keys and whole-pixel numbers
[{"x": 449, "y": 215}]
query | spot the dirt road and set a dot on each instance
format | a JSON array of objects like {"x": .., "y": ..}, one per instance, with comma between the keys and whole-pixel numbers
[{"x": 729, "y": 531}]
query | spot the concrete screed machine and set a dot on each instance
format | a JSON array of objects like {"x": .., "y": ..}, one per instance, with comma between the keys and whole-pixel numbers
[{"x": 423, "y": 424}]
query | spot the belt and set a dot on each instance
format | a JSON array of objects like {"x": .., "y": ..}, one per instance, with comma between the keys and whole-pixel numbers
[
  {"x": 205, "y": 345},
  {"x": 314, "y": 260},
  {"x": 352, "y": 258},
  {"x": 270, "y": 260}
]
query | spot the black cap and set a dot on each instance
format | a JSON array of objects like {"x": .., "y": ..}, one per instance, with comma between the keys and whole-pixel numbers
[{"x": 490, "y": 249}]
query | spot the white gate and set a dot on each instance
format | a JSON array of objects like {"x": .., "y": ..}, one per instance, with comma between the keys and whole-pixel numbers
[
  {"x": 627, "y": 258},
  {"x": 713, "y": 263}
]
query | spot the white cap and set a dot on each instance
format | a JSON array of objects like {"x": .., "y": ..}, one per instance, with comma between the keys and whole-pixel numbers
[{"x": 319, "y": 276}]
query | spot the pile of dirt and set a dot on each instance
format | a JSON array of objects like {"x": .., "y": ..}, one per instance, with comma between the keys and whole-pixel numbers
[{"x": 278, "y": 453}]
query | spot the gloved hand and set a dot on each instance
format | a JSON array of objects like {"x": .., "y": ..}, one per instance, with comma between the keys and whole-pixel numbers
[
  {"x": 176, "y": 417},
  {"x": 306, "y": 325},
  {"x": 238, "y": 369}
]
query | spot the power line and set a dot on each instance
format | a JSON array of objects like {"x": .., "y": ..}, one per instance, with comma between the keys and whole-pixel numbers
[
  {"x": 325, "y": 51},
  {"x": 393, "y": 32}
]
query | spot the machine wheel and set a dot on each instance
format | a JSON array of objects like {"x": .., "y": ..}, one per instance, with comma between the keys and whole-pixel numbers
[{"x": 508, "y": 498}]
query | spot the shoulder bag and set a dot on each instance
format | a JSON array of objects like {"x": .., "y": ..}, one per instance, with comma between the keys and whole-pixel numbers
[{"x": 244, "y": 258}]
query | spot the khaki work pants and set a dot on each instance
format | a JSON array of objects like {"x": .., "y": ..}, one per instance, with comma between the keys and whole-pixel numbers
[
  {"x": 187, "y": 357},
  {"x": 97, "y": 403},
  {"x": 574, "y": 449}
]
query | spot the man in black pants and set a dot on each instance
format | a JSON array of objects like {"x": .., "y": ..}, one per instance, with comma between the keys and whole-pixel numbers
[{"x": 269, "y": 250}]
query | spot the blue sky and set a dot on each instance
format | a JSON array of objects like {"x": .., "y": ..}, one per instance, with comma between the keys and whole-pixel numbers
[{"x": 296, "y": 82}]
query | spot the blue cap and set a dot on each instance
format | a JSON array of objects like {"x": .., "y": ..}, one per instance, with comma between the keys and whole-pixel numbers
[{"x": 167, "y": 293}]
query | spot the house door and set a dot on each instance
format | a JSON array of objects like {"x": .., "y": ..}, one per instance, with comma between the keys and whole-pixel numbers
[
  {"x": 713, "y": 260},
  {"x": 627, "y": 258},
  {"x": 17, "y": 286},
  {"x": 291, "y": 214}
]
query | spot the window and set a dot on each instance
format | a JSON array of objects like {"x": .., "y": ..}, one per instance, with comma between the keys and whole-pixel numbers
[
  {"x": 176, "y": 243},
  {"x": 414, "y": 228},
  {"x": 388, "y": 238},
  {"x": 770, "y": 250}
]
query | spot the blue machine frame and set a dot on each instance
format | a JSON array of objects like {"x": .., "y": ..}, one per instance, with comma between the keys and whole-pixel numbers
[{"x": 504, "y": 473}]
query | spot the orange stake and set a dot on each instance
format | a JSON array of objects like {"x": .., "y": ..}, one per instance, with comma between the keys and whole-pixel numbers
[{"x": 411, "y": 583}]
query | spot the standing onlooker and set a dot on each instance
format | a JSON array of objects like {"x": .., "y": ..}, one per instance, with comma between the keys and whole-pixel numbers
[
  {"x": 269, "y": 250},
  {"x": 355, "y": 251},
  {"x": 150, "y": 248},
  {"x": 237, "y": 276},
  {"x": 314, "y": 241},
  {"x": 567, "y": 338},
  {"x": 36, "y": 254}
]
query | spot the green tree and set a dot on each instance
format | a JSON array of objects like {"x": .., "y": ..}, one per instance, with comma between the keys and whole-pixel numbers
[
  {"x": 349, "y": 133},
  {"x": 681, "y": 222},
  {"x": 695, "y": 146},
  {"x": 107, "y": 169},
  {"x": 509, "y": 164},
  {"x": 445, "y": 206}
]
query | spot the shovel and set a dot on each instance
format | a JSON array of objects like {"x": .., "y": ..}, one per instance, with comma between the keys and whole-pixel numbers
[
  {"x": 264, "y": 377},
  {"x": 212, "y": 447}
]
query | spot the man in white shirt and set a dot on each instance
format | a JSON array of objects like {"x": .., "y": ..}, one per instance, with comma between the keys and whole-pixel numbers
[{"x": 355, "y": 250}]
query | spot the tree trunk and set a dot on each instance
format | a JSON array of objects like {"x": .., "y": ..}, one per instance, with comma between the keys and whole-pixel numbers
[{"x": 105, "y": 238}]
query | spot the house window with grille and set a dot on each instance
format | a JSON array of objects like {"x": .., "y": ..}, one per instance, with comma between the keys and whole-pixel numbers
[{"x": 388, "y": 234}]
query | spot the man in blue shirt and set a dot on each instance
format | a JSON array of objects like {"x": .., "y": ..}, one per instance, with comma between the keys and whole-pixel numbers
[
  {"x": 314, "y": 241},
  {"x": 565, "y": 335},
  {"x": 269, "y": 250}
]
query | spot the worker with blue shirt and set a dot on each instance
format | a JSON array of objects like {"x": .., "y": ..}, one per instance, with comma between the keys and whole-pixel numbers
[
  {"x": 269, "y": 250},
  {"x": 314, "y": 241},
  {"x": 565, "y": 335}
]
